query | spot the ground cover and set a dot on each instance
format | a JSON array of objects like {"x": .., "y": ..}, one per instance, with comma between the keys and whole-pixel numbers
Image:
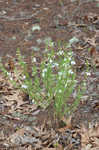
[{"x": 28, "y": 26}]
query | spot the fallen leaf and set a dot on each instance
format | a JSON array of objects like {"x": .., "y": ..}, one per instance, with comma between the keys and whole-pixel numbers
[
  {"x": 95, "y": 56},
  {"x": 89, "y": 137}
]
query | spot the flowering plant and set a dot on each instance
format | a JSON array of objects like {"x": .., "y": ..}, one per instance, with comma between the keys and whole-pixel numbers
[{"x": 54, "y": 83}]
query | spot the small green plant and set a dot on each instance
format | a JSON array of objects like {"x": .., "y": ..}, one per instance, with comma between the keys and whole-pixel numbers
[{"x": 54, "y": 81}]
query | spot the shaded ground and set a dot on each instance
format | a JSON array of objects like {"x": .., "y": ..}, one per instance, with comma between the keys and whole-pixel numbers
[{"x": 22, "y": 124}]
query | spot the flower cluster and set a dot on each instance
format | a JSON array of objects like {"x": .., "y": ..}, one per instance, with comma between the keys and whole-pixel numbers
[{"x": 53, "y": 80}]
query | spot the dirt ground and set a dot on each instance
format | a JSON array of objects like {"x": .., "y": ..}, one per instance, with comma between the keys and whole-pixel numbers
[{"x": 28, "y": 25}]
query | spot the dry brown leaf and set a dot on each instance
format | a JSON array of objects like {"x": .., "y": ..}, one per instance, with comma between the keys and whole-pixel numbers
[
  {"x": 94, "y": 132},
  {"x": 95, "y": 148},
  {"x": 59, "y": 147},
  {"x": 84, "y": 136},
  {"x": 68, "y": 124},
  {"x": 49, "y": 149},
  {"x": 95, "y": 56},
  {"x": 11, "y": 64},
  {"x": 96, "y": 141},
  {"x": 89, "y": 137}
]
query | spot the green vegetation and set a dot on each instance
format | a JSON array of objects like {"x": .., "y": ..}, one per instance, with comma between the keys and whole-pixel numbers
[{"x": 52, "y": 81}]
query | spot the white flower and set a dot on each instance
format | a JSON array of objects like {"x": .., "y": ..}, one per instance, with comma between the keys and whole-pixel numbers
[
  {"x": 9, "y": 74},
  {"x": 84, "y": 84},
  {"x": 59, "y": 77},
  {"x": 24, "y": 77},
  {"x": 36, "y": 27},
  {"x": 88, "y": 73},
  {"x": 73, "y": 63},
  {"x": 43, "y": 74},
  {"x": 60, "y": 53},
  {"x": 11, "y": 78},
  {"x": 65, "y": 59},
  {"x": 70, "y": 71},
  {"x": 51, "y": 44},
  {"x": 70, "y": 53},
  {"x": 70, "y": 58},
  {"x": 33, "y": 101},
  {"x": 66, "y": 65},
  {"x": 48, "y": 94},
  {"x": 60, "y": 73},
  {"x": 65, "y": 85},
  {"x": 50, "y": 60},
  {"x": 44, "y": 70},
  {"x": 60, "y": 91},
  {"x": 34, "y": 59},
  {"x": 55, "y": 65},
  {"x": 24, "y": 86}
]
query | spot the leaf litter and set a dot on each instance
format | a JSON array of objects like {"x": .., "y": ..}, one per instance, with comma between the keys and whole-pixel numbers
[{"x": 20, "y": 121}]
